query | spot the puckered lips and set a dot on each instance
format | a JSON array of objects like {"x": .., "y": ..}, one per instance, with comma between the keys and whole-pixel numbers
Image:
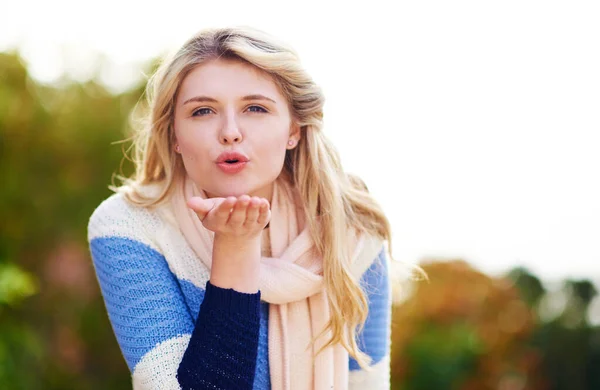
[{"x": 232, "y": 161}]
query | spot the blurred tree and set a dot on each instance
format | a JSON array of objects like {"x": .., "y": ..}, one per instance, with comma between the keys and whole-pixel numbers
[
  {"x": 530, "y": 287},
  {"x": 57, "y": 157},
  {"x": 463, "y": 330},
  {"x": 19, "y": 343},
  {"x": 569, "y": 346}
]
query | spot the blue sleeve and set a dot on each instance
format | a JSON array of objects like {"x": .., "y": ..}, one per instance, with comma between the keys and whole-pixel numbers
[
  {"x": 374, "y": 339},
  {"x": 146, "y": 307}
]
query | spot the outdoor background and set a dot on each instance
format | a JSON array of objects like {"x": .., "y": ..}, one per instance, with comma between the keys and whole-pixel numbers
[{"x": 477, "y": 126}]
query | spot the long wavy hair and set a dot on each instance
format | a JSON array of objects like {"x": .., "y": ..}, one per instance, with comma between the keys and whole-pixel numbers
[{"x": 339, "y": 200}]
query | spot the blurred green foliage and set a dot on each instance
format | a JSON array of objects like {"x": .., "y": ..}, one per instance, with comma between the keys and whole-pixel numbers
[
  {"x": 58, "y": 154},
  {"x": 466, "y": 330},
  {"x": 15, "y": 284},
  {"x": 57, "y": 157},
  {"x": 463, "y": 330}
]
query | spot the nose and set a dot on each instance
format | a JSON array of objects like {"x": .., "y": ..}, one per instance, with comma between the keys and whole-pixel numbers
[{"x": 230, "y": 132}]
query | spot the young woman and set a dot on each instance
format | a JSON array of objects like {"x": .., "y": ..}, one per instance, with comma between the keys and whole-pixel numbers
[{"x": 241, "y": 255}]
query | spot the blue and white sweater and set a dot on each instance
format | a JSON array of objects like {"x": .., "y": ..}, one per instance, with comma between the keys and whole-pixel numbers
[{"x": 176, "y": 330}]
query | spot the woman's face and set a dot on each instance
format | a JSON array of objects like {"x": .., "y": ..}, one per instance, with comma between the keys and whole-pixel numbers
[{"x": 230, "y": 106}]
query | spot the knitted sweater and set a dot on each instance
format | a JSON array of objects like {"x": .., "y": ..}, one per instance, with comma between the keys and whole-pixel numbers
[{"x": 176, "y": 330}]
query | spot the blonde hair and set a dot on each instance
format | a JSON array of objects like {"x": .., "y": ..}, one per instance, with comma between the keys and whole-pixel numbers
[{"x": 340, "y": 200}]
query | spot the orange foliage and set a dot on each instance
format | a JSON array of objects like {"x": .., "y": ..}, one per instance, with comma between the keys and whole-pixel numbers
[{"x": 460, "y": 300}]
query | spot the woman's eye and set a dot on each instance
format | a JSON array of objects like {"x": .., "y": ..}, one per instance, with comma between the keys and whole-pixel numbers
[
  {"x": 201, "y": 112},
  {"x": 256, "y": 109}
]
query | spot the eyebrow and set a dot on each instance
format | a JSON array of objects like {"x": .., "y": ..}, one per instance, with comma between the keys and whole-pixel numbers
[
  {"x": 258, "y": 97},
  {"x": 201, "y": 99}
]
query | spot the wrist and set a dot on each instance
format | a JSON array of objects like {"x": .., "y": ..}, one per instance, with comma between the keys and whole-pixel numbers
[
  {"x": 236, "y": 263},
  {"x": 236, "y": 243}
]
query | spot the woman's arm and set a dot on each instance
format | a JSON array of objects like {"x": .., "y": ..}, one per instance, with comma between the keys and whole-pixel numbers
[
  {"x": 224, "y": 342},
  {"x": 374, "y": 339},
  {"x": 164, "y": 346}
]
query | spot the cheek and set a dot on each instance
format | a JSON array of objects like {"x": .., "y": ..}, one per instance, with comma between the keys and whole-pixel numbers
[
  {"x": 193, "y": 152},
  {"x": 275, "y": 148},
  {"x": 189, "y": 139}
]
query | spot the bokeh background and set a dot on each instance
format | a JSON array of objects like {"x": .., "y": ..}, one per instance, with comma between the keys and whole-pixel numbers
[{"x": 476, "y": 126}]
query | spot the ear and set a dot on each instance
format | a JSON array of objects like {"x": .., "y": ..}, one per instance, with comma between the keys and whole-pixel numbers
[
  {"x": 176, "y": 147},
  {"x": 295, "y": 135}
]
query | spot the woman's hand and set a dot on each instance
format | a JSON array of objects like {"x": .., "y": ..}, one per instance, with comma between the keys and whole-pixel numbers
[
  {"x": 243, "y": 217},
  {"x": 237, "y": 224}
]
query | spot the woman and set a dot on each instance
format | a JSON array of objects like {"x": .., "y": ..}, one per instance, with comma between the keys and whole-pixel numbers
[{"x": 240, "y": 255}]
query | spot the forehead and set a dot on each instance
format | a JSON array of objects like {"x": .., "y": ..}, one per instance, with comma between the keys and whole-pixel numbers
[{"x": 227, "y": 79}]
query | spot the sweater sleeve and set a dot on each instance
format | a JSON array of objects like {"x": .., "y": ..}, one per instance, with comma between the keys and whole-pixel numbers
[
  {"x": 374, "y": 339},
  {"x": 163, "y": 345},
  {"x": 224, "y": 343}
]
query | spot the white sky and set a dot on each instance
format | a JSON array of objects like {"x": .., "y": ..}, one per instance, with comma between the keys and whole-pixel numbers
[{"x": 476, "y": 124}]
